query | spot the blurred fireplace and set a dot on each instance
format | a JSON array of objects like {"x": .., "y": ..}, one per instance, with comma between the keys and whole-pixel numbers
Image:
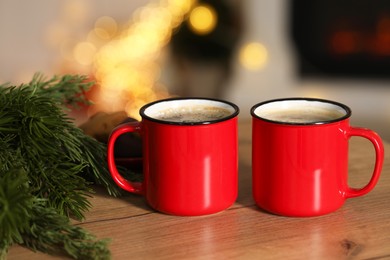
[{"x": 349, "y": 38}]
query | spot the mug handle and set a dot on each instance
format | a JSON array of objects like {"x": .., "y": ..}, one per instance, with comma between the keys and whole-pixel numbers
[
  {"x": 375, "y": 139},
  {"x": 134, "y": 187}
]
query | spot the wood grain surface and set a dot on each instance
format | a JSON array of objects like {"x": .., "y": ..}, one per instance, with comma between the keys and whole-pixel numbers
[{"x": 359, "y": 230}]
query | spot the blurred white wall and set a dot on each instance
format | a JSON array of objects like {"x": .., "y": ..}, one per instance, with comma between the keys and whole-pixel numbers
[{"x": 25, "y": 49}]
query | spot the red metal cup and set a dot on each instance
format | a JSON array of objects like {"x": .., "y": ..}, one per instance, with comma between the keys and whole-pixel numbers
[
  {"x": 301, "y": 168},
  {"x": 189, "y": 168}
]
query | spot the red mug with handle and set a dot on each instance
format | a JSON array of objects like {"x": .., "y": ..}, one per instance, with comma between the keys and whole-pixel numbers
[
  {"x": 300, "y": 156},
  {"x": 190, "y": 155}
]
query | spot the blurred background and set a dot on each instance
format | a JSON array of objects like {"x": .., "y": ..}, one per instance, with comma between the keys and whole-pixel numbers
[{"x": 243, "y": 51}]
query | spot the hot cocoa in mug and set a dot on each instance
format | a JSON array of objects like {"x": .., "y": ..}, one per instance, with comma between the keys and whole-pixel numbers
[
  {"x": 300, "y": 156},
  {"x": 193, "y": 114},
  {"x": 302, "y": 114},
  {"x": 190, "y": 155}
]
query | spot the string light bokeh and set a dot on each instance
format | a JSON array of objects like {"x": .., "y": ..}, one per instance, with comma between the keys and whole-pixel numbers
[
  {"x": 253, "y": 56},
  {"x": 203, "y": 19},
  {"x": 125, "y": 59},
  {"x": 127, "y": 67}
]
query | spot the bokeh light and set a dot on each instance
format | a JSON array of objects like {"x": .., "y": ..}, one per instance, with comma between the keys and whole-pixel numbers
[
  {"x": 203, "y": 19},
  {"x": 123, "y": 59},
  {"x": 253, "y": 56},
  {"x": 105, "y": 27},
  {"x": 84, "y": 53},
  {"x": 127, "y": 67}
]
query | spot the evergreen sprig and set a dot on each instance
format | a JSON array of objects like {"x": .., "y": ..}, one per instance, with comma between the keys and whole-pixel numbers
[
  {"x": 46, "y": 166},
  {"x": 52, "y": 233},
  {"x": 16, "y": 201}
]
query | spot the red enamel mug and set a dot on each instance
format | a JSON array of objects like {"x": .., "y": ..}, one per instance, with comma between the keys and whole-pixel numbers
[
  {"x": 190, "y": 160},
  {"x": 300, "y": 156}
]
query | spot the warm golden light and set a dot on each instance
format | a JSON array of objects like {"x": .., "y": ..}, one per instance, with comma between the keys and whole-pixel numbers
[
  {"x": 127, "y": 67},
  {"x": 203, "y": 19},
  {"x": 105, "y": 27},
  {"x": 253, "y": 56},
  {"x": 84, "y": 53},
  {"x": 124, "y": 60}
]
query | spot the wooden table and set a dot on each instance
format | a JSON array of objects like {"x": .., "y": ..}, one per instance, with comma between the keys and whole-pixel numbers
[{"x": 359, "y": 230}]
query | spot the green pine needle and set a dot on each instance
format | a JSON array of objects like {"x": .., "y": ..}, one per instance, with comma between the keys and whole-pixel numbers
[
  {"x": 46, "y": 167},
  {"x": 52, "y": 233},
  {"x": 15, "y": 205}
]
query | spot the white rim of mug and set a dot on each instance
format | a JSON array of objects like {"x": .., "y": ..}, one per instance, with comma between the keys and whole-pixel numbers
[
  {"x": 222, "y": 103},
  {"x": 347, "y": 110}
]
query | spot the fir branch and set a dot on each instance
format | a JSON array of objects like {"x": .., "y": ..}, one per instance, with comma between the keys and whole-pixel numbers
[
  {"x": 15, "y": 207},
  {"x": 38, "y": 141},
  {"x": 53, "y": 157},
  {"x": 67, "y": 90},
  {"x": 97, "y": 171},
  {"x": 52, "y": 233}
]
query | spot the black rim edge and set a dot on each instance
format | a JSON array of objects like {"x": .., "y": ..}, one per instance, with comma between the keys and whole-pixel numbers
[
  {"x": 234, "y": 114},
  {"x": 346, "y": 108}
]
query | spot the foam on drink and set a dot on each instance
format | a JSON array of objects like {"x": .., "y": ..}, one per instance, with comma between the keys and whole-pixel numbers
[
  {"x": 193, "y": 114},
  {"x": 300, "y": 111}
]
